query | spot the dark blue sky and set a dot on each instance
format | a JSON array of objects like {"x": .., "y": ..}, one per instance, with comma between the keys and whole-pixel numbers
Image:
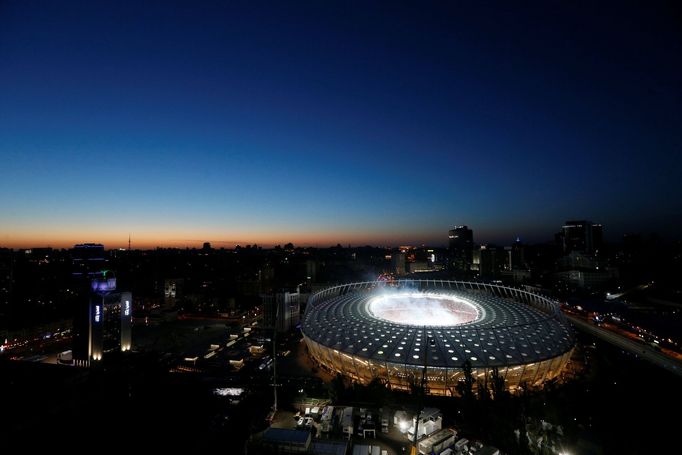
[{"x": 318, "y": 122}]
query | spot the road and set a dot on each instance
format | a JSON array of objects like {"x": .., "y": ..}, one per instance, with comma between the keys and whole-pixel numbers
[{"x": 639, "y": 349}]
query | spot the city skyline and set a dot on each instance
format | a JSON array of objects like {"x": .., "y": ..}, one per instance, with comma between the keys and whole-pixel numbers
[
  {"x": 320, "y": 241},
  {"x": 320, "y": 124},
  {"x": 340, "y": 227}
]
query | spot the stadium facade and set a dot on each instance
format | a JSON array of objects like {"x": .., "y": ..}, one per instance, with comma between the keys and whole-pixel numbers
[{"x": 391, "y": 330}]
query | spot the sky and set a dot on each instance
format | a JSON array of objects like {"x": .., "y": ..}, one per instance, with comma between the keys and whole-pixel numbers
[{"x": 336, "y": 122}]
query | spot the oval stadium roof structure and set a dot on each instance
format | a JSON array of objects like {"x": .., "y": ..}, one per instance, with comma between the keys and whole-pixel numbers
[{"x": 391, "y": 330}]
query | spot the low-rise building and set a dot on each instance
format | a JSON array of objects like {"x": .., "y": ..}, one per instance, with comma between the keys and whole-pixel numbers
[
  {"x": 283, "y": 440},
  {"x": 437, "y": 442},
  {"x": 430, "y": 420},
  {"x": 347, "y": 421}
]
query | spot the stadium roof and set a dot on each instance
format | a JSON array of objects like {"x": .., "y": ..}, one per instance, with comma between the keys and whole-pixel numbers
[{"x": 506, "y": 333}]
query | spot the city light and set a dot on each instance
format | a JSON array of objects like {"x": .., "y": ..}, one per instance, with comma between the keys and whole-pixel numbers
[
  {"x": 228, "y": 391},
  {"x": 424, "y": 309},
  {"x": 316, "y": 210}
]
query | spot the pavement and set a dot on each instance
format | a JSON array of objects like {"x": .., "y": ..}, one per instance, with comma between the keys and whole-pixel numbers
[{"x": 641, "y": 350}]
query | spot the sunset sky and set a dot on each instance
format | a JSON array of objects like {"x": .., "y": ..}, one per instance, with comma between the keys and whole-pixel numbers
[{"x": 317, "y": 123}]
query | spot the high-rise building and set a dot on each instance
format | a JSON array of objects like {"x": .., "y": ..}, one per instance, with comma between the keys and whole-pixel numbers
[
  {"x": 311, "y": 271},
  {"x": 102, "y": 323},
  {"x": 87, "y": 260},
  {"x": 515, "y": 256},
  {"x": 597, "y": 238},
  {"x": 398, "y": 263},
  {"x": 172, "y": 291},
  {"x": 489, "y": 260},
  {"x": 461, "y": 243},
  {"x": 583, "y": 236},
  {"x": 281, "y": 311}
]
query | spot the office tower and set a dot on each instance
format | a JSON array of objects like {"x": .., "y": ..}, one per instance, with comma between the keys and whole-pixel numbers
[
  {"x": 516, "y": 258},
  {"x": 398, "y": 263},
  {"x": 172, "y": 292},
  {"x": 581, "y": 236},
  {"x": 489, "y": 260},
  {"x": 597, "y": 238},
  {"x": 282, "y": 310},
  {"x": 103, "y": 321},
  {"x": 87, "y": 259},
  {"x": 461, "y": 243}
]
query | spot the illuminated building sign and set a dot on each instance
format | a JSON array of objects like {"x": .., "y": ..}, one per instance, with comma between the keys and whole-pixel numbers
[
  {"x": 103, "y": 285},
  {"x": 126, "y": 309},
  {"x": 97, "y": 313}
]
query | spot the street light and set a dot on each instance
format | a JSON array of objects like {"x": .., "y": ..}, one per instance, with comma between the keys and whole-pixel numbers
[{"x": 431, "y": 342}]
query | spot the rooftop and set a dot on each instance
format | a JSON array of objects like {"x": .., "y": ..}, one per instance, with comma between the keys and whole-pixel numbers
[
  {"x": 501, "y": 331},
  {"x": 284, "y": 435}
]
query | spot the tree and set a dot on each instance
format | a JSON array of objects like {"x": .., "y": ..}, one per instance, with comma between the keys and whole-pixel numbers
[
  {"x": 377, "y": 392},
  {"x": 416, "y": 394},
  {"x": 337, "y": 389},
  {"x": 466, "y": 387},
  {"x": 497, "y": 384},
  {"x": 483, "y": 391}
]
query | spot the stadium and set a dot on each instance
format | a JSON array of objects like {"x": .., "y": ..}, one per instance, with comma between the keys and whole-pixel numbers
[{"x": 391, "y": 330}]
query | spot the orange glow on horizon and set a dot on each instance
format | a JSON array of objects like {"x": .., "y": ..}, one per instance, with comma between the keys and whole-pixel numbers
[{"x": 181, "y": 239}]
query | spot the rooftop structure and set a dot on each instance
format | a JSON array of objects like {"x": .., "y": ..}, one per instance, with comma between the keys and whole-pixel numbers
[
  {"x": 287, "y": 441},
  {"x": 391, "y": 330}
]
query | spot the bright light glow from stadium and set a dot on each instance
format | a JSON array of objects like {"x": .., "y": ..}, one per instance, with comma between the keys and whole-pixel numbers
[
  {"x": 424, "y": 309},
  {"x": 228, "y": 391}
]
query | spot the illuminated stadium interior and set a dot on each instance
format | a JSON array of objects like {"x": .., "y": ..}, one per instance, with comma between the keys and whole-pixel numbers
[
  {"x": 392, "y": 330},
  {"x": 424, "y": 309}
]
